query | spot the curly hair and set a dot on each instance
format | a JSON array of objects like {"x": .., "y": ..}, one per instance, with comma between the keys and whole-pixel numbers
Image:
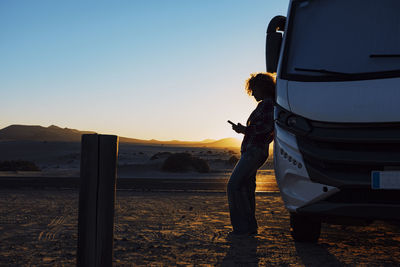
[{"x": 263, "y": 80}]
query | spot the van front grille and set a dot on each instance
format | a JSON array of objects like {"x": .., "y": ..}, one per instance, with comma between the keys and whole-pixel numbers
[{"x": 345, "y": 156}]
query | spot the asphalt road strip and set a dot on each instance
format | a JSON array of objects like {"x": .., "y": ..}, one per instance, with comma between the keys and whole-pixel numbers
[{"x": 168, "y": 184}]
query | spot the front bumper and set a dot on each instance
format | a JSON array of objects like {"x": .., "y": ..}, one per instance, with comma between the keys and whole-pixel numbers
[
  {"x": 297, "y": 189},
  {"x": 302, "y": 193}
]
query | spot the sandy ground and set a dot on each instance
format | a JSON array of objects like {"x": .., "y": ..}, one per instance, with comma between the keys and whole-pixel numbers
[
  {"x": 62, "y": 159},
  {"x": 39, "y": 227}
]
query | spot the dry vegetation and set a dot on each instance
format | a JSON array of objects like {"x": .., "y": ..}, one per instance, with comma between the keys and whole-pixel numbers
[
  {"x": 182, "y": 162},
  {"x": 18, "y": 165}
]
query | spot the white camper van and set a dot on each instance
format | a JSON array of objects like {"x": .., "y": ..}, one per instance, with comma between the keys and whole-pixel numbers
[{"x": 337, "y": 114}]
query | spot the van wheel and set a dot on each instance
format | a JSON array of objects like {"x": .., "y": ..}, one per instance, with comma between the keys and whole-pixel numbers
[{"x": 305, "y": 228}]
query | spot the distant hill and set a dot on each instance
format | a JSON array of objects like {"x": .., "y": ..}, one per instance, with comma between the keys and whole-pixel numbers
[
  {"x": 55, "y": 133},
  {"x": 226, "y": 142},
  {"x": 40, "y": 133}
]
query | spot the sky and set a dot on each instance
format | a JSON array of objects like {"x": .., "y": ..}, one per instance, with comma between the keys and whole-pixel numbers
[{"x": 149, "y": 69}]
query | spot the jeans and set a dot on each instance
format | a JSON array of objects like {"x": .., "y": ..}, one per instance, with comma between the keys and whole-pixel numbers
[{"x": 241, "y": 190}]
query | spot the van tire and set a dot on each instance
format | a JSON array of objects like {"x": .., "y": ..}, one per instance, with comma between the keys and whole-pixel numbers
[{"x": 305, "y": 228}]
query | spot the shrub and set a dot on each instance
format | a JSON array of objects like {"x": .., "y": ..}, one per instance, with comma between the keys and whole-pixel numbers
[
  {"x": 160, "y": 154},
  {"x": 200, "y": 165},
  {"x": 233, "y": 160},
  {"x": 18, "y": 165},
  {"x": 182, "y": 162}
]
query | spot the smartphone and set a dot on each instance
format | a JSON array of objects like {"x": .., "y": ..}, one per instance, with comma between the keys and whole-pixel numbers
[{"x": 231, "y": 123}]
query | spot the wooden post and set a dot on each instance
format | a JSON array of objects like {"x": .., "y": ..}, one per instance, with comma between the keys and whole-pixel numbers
[{"x": 96, "y": 199}]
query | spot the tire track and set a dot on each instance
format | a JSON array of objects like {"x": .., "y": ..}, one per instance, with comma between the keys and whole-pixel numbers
[{"x": 55, "y": 227}]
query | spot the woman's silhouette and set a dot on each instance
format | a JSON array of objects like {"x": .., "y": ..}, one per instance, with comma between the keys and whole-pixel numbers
[{"x": 258, "y": 133}]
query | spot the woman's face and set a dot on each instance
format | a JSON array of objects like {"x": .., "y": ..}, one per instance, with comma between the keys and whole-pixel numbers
[{"x": 257, "y": 93}]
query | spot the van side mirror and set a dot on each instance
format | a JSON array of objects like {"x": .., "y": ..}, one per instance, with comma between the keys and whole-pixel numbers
[{"x": 274, "y": 42}]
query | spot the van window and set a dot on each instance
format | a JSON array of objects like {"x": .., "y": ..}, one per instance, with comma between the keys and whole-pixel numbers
[{"x": 343, "y": 38}]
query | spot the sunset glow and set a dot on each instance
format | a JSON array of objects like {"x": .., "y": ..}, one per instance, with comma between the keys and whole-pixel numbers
[{"x": 142, "y": 69}]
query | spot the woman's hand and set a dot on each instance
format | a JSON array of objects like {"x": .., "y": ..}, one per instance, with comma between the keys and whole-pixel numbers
[{"x": 239, "y": 128}]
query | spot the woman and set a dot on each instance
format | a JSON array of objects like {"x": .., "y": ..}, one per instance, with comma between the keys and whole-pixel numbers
[{"x": 258, "y": 133}]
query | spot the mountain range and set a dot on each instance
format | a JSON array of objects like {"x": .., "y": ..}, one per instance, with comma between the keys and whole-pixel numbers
[{"x": 54, "y": 133}]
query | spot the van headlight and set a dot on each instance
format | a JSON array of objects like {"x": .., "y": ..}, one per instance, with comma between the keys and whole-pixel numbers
[{"x": 290, "y": 121}]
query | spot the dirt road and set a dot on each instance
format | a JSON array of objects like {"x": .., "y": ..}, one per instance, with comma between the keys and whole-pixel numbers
[{"x": 39, "y": 227}]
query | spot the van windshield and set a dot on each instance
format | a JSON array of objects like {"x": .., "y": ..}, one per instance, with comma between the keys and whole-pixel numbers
[{"x": 343, "y": 40}]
